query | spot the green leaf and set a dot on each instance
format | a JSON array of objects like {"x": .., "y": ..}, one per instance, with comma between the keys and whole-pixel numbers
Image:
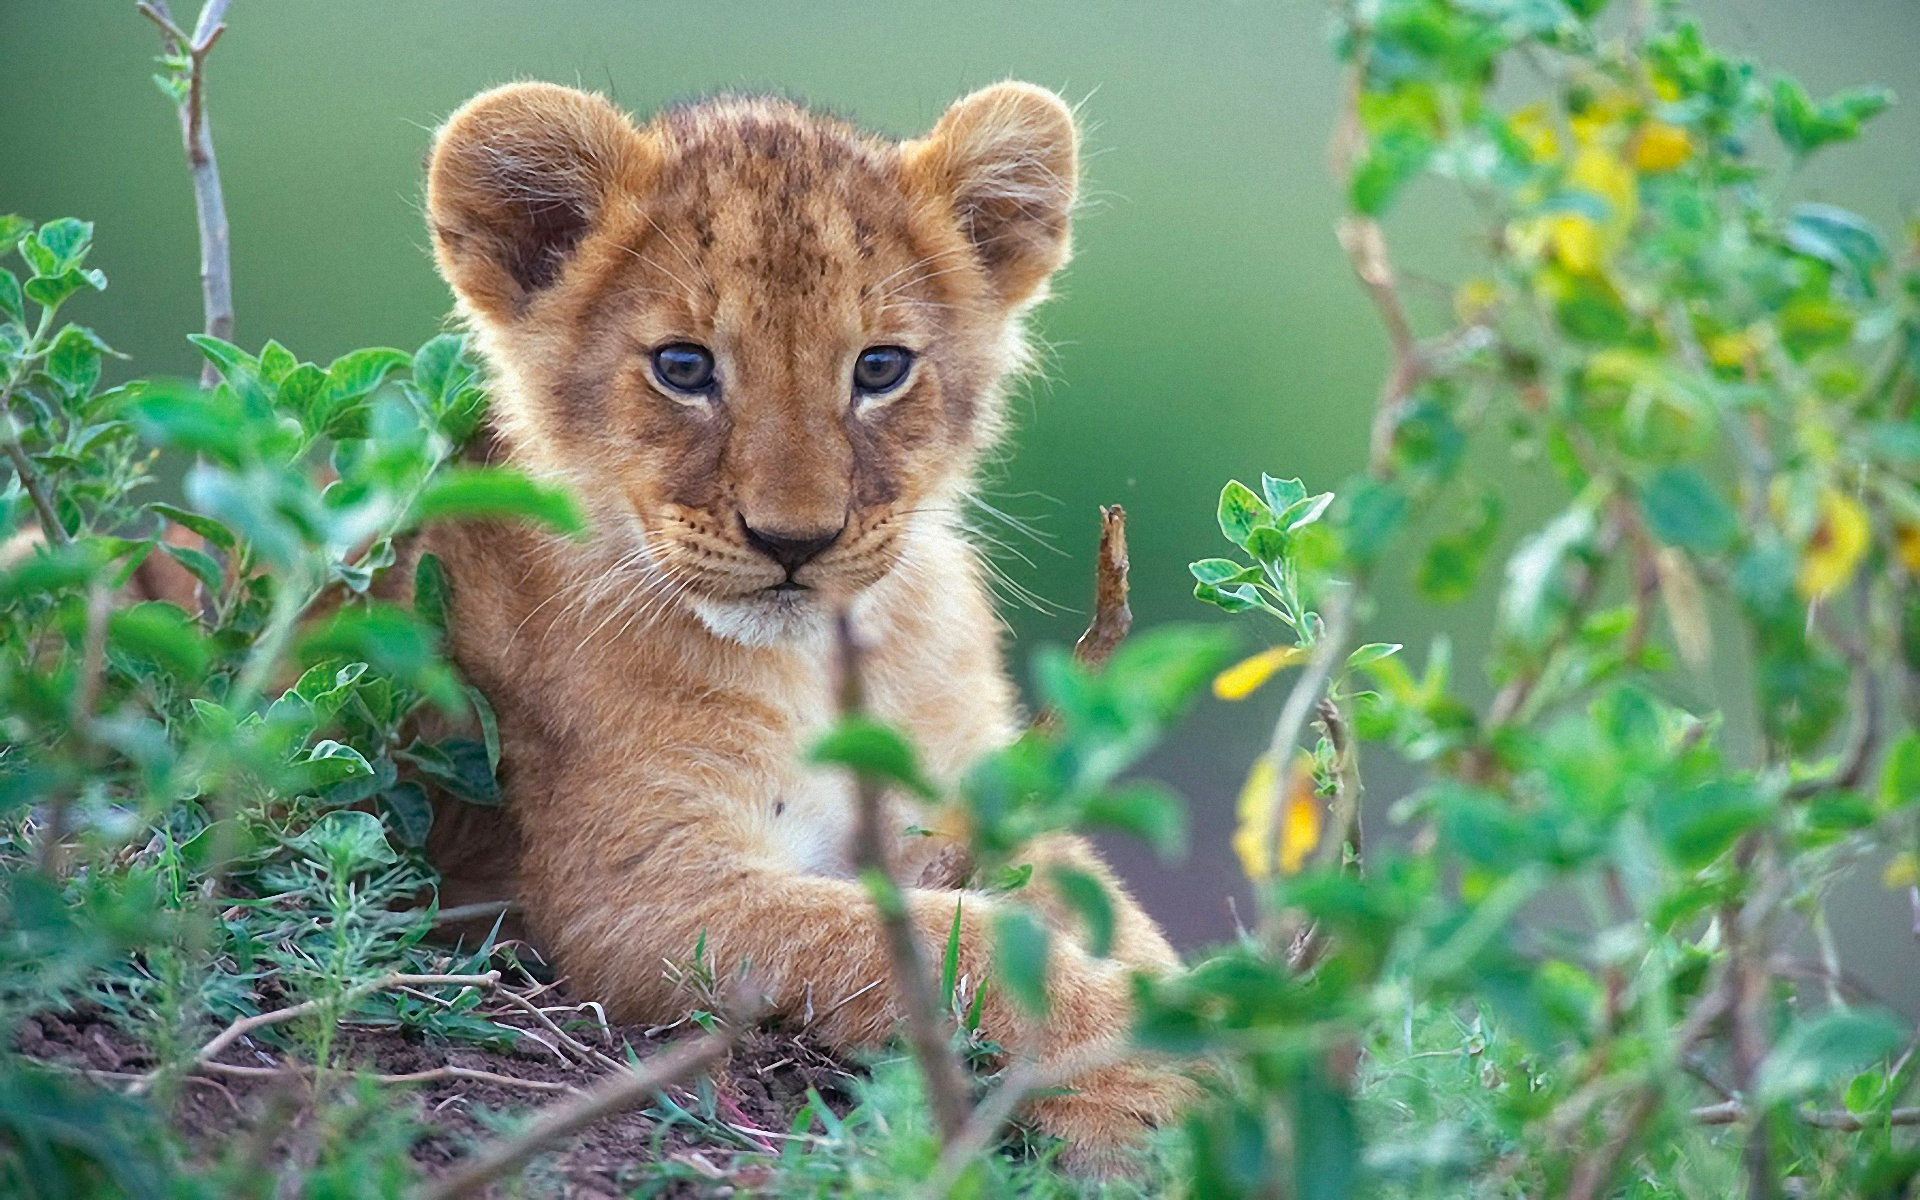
[
  {"x": 440, "y": 369},
  {"x": 73, "y": 361},
  {"x": 1372, "y": 652},
  {"x": 1326, "y": 1138},
  {"x": 1021, "y": 948},
  {"x": 1805, "y": 126},
  {"x": 1684, "y": 509},
  {"x": 460, "y": 765},
  {"x": 430, "y": 591},
  {"x": 865, "y": 745},
  {"x": 1282, "y": 494},
  {"x": 348, "y": 841},
  {"x": 950, "y": 961},
  {"x": 1222, "y": 571},
  {"x": 203, "y": 566},
  {"x": 67, "y": 240},
  {"x": 13, "y": 304},
  {"x": 276, "y": 361},
  {"x": 51, "y": 291},
  {"x": 358, "y": 372},
  {"x": 1900, "y": 777},
  {"x": 1303, "y": 512},
  {"x": 1146, "y": 810},
  {"x": 407, "y": 807},
  {"x": 160, "y": 632},
  {"x": 1087, "y": 897},
  {"x": 1845, "y": 240},
  {"x": 208, "y": 528},
  {"x": 497, "y": 492},
  {"x": 13, "y": 227},
  {"x": 1823, "y": 1050},
  {"x": 1241, "y": 511},
  {"x": 224, "y": 355},
  {"x": 1698, "y": 825},
  {"x": 1391, "y": 161}
]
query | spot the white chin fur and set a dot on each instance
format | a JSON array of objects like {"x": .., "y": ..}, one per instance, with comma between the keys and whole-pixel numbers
[{"x": 763, "y": 619}]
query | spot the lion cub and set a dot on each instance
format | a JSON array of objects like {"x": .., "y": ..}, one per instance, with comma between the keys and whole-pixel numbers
[{"x": 767, "y": 351}]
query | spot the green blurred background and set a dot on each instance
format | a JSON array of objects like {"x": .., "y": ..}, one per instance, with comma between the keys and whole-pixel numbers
[{"x": 1208, "y": 327}]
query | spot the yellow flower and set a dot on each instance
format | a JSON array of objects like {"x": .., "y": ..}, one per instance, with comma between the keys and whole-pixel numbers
[
  {"x": 1731, "y": 350},
  {"x": 1297, "y": 811},
  {"x": 1903, "y": 870},
  {"x": 1906, "y": 544},
  {"x": 1300, "y": 827},
  {"x": 1474, "y": 299},
  {"x": 1535, "y": 131},
  {"x": 1241, "y": 679},
  {"x": 1838, "y": 543},
  {"x": 1253, "y": 837},
  {"x": 1661, "y": 147},
  {"x": 1604, "y": 175},
  {"x": 1576, "y": 242}
]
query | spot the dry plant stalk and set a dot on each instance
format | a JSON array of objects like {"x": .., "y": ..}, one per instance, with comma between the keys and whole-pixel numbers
[
  {"x": 245, "y": 1025},
  {"x": 928, "y": 1032},
  {"x": 1112, "y": 618},
  {"x": 210, "y": 206}
]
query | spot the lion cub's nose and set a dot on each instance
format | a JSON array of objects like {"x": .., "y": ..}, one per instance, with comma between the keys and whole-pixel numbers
[{"x": 790, "y": 549}]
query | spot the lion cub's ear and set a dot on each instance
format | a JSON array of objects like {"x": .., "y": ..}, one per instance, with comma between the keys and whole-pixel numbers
[
  {"x": 1006, "y": 159},
  {"x": 519, "y": 175}
]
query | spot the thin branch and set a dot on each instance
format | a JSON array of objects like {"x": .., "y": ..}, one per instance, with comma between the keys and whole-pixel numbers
[
  {"x": 210, "y": 206},
  {"x": 1112, "y": 617},
  {"x": 927, "y": 1033},
  {"x": 613, "y": 1094},
  {"x": 580, "y": 1049},
  {"x": 1732, "y": 1112},
  {"x": 1328, "y": 648},
  {"x": 246, "y": 1025},
  {"x": 433, "y": 1075},
  {"x": 36, "y": 487}
]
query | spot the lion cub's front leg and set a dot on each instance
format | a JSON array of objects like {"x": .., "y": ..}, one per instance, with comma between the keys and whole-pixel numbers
[{"x": 614, "y": 917}]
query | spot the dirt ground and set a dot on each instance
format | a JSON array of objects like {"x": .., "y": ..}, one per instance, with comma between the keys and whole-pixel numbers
[{"x": 757, "y": 1094}]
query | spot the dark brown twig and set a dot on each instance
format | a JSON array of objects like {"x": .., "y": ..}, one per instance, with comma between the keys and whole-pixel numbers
[
  {"x": 927, "y": 1033},
  {"x": 210, "y": 206}
]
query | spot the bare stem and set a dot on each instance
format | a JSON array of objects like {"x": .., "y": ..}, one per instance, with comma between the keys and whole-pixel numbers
[
  {"x": 246, "y": 1025},
  {"x": 927, "y": 1033},
  {"x": 1328, "y": 648},
  {"x": 210, "y": 206}
]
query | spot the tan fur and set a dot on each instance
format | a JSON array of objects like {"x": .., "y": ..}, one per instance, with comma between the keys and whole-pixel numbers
[{"x": 655, "y": 699}]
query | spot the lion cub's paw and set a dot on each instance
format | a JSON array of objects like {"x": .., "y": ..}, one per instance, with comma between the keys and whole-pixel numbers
[{"x": 1107, "y": 1115}]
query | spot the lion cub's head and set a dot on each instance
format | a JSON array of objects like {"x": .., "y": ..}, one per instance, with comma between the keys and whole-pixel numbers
[{"x": 763, "y": 346}]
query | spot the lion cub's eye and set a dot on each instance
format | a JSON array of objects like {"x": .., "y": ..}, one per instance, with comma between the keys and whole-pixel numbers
[
  {"x": 880, "y": 369},
  {"x": 684, "y": 367}
]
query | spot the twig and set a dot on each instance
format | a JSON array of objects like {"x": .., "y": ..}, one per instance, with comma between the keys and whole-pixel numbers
[
  {"x": 1302, "y": 700},
  {"x": 1732, "y": 1112},
  {"x": 433, "y": 1075},
  {"x": 1021, "y": 1080},
  {"x": 36, "y": 487},
  {"x": 611, "y": 1095},
  {"x": 912, "y": 984},
  {"x": 580, "y": 1049},
  {"x": 1112, "y": 617},
  {"x": 1593, "y": 1172},
  {"x": 210, "y": 207},
  {"x": 245, "y": 1025}
]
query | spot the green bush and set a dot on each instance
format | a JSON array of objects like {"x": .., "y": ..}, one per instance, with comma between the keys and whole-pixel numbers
[{"x": 1578, "y": 964}]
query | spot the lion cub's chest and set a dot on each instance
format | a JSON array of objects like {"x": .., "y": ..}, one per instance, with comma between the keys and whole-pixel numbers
[{"x": 808, "y": 817}]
